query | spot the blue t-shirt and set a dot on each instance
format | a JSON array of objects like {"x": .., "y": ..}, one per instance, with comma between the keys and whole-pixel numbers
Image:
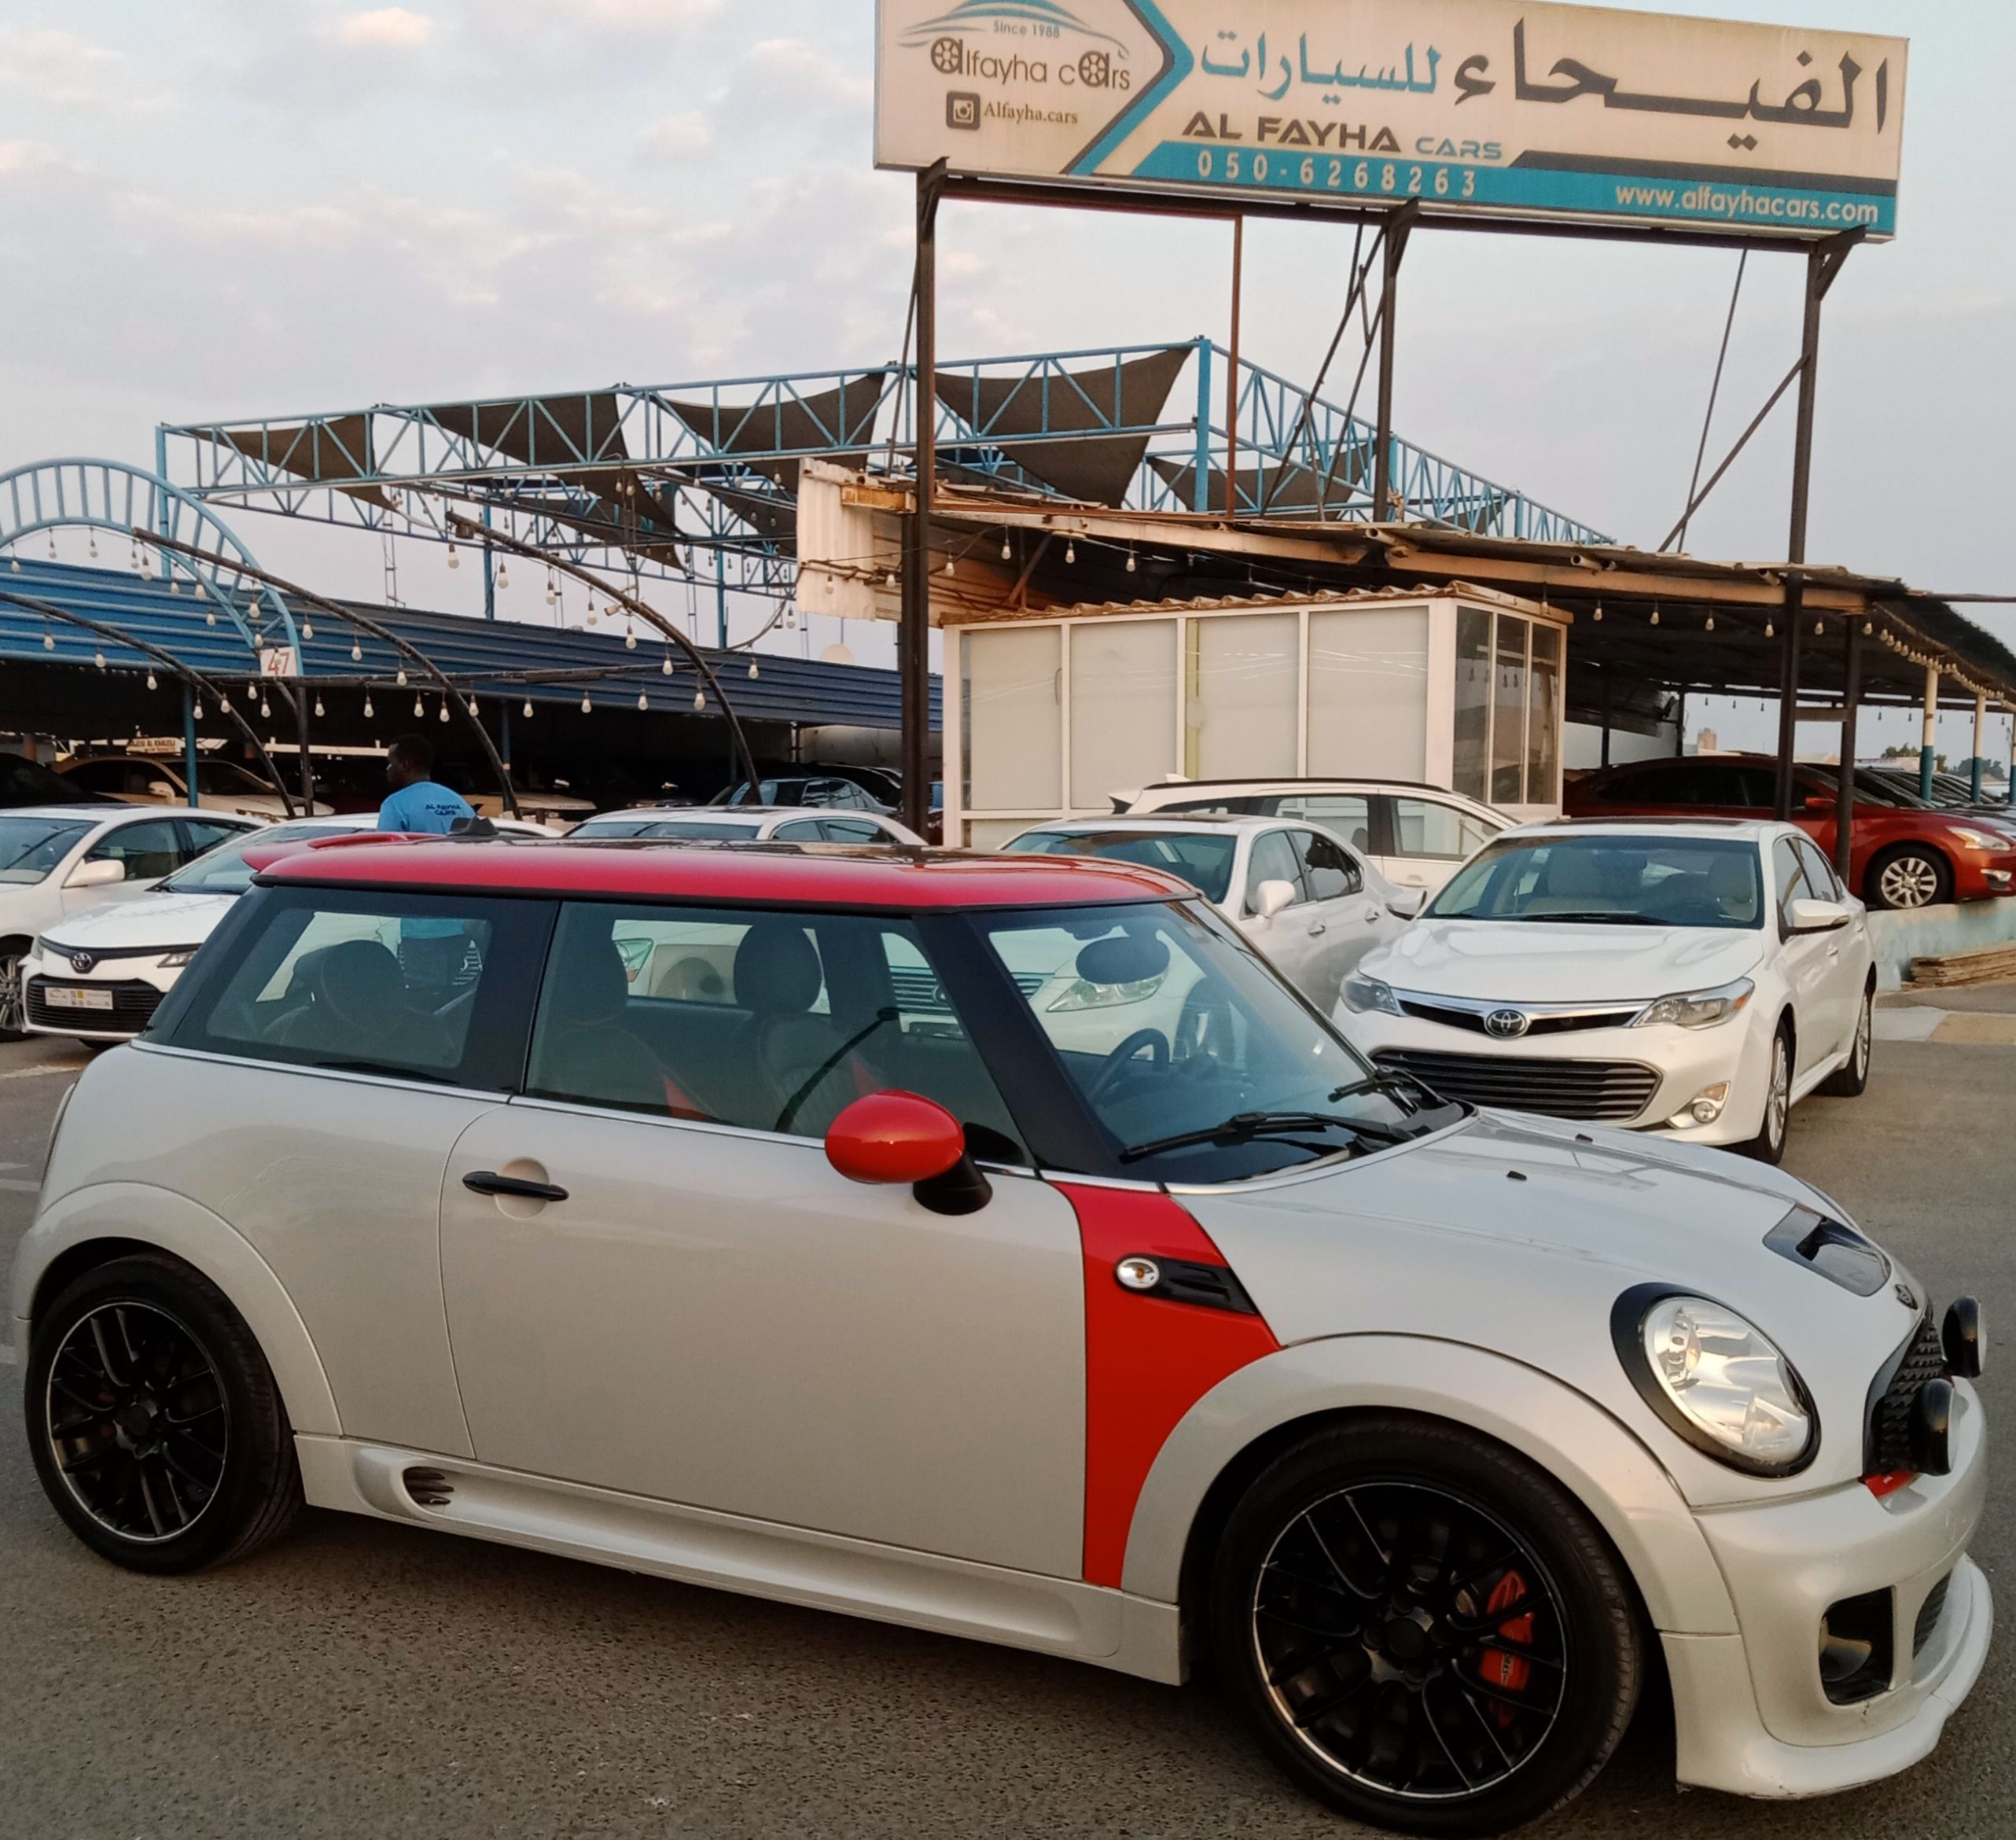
[{"x": 424, "y": 807}]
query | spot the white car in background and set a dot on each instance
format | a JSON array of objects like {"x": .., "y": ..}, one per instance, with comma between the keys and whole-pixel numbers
[
  {"x": 742, "y": 824},
  {"x": 99, "y": 976},
  {"x": 55, "y": 861},
  {"x": 152, "y": 779},
  {"x": 1312, "y": 903},
  {"x": 1691, "y": 980},
  {"x": 1415, "y": 836}
]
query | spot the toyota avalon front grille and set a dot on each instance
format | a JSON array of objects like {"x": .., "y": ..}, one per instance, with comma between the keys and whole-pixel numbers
[{"x": 1599, "y": 1092}]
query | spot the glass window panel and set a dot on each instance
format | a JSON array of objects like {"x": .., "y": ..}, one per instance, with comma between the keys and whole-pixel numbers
[
  {"x": 1473, "y": 737},
  {"x": 1122, "y": 707},
  {"x": 1508, "y": 726},
  {"x": 1014, "y": 719},
  {"x": 1368, "y": 693},
  {"x": 1424, "y": 828},
  {"x": 1274, "y": 859},
  {"x": 1327, "y": 873},
  {"x": 1243, "y": 673},
  {"x": 1348, "y": 814},
  {"x": 148, "y": 851},
  {"x": 1543, "y": 720}
]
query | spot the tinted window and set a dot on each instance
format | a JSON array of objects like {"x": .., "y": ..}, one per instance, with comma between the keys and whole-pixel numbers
[
  {"x": 1819, "y": 873},
  {"x": 200, "y": 835},
  {"x": 1442, "y": 832},
  {"x": 148, "y": 851},
  {"x": 28, "y": 782},
  {"x": 1788, "y": 875},
  {"x": 1348, "y": 814},
  {"x": 99, "y": 776},
  {"x": 768, "y": 1021},
  {"x": 224, "y": 870},
  {"x": 1328, "y": 873},
  {"x": 30, "y": 848},
  {"x": 1274, "y": 859},
  {"x": 435, "y": 987},
  {"x": 802, "y": 830},
  {"x": 852, "y": 830},
  {"x": 1615, "y": 881},
  {"x": 1203, "y": 859}
]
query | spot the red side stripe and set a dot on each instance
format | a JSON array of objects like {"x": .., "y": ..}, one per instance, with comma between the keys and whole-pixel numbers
[{"x": 1147, "y": 1362}]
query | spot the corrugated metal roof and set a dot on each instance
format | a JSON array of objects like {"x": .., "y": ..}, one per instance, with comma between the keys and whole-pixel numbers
[{"x": 800, "y": 692}]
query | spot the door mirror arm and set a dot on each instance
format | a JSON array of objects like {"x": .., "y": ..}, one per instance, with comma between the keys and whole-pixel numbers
[{"x": 960, "y": 1190}]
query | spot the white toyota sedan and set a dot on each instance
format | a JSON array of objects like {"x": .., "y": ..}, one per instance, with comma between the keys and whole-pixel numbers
[
  {"x": 1314, "y": 905},
  {"x": 867, "y": 1280},
  {"x": 742, "y": 824},
  {"x": 1695, "y": 980}
]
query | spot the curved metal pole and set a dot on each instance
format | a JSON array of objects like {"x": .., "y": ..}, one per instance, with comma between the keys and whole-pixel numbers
[
  {"x": 471, "y": 532},
  {"x": 49, "y": 611},
  {"x": 404, "y": 648}
]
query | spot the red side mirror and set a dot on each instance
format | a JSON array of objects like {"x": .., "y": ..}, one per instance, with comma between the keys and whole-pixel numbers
[
  {"x": 1818, "y": 802},
  {"x": 890, "y": 1138}
]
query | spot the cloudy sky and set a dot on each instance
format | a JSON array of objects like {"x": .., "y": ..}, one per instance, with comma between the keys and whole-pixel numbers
[{"x": 217, "y": 207}]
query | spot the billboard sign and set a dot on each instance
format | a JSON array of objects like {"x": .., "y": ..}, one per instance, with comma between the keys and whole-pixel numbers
[{"x": 1518, "y": 108}]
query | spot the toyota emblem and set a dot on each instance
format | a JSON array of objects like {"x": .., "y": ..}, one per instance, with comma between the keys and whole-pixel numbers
[
  {"x": 1506, "y": 1024},
  {"x": 82, "y": 961}
]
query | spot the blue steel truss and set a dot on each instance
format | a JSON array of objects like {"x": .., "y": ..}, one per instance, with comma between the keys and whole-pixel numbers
[{"x": 698, "y": 480}]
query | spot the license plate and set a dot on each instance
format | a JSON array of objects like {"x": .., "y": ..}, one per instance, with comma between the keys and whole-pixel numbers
[{"x": 63, "y": 996}]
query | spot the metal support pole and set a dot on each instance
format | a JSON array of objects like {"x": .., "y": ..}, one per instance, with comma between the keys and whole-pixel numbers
[
  {"x": 913, "y": 638},
  {"x": 1382, "y": 459},
  {"x": 1928, "y": 751},
  {"x": 720, "y": 599},
  {"x": 1851, "y": 699},
  {"x": 1981, "y": 740},
  {"x": 489, "y": 573},
  {"x": 2012, "y": 760},
  {"x": 1604, "y": 680},
  {"x": 1788, "y": 694},
  {"x": 1232, "y": 372},
  {"x": 192, "y": 758},
  {"x": 1680, "y": 727},
  {"x": 1200, "y": 490}
]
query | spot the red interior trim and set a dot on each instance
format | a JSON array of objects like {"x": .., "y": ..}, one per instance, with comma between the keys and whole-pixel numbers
[{"x": 1147, "y": 1361}]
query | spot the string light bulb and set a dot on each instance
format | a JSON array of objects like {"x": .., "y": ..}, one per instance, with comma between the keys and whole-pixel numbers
[
  {"x": 307, "y": 629},
  {"x": 1770, "y": 631},
  {"x": 368, "y": 712},
  {"x": 455, "y": 560},
  {"x": 1070, "y": 551},
  {"x": 263, "y": 710},
  {"x": 1655, "y": 616},
  {"x": 1597, "y": 615},
  {"x": 319, "y": 709},
  {"x": 1711, "y": 623},
  {"x": 444, "y": 709},
  {"x": 98, "y": 657},
  {"x": 196, "y": 712},
  {"x": 210, "y": 616},
  {"x": 419, "y": 708},
  {"x": 1132, "y": 566},
  {"x": 667, "y": 667},
  {"x": 94, "y": 546},
  {"x": 503, "y": 575},
  {"x": 588, "y": 704},
  {"x": 754, "y": 671},
  {"x": 952, "y": 568},
  {"x": 49, "y": 641},
  {"x": 1007, "y": 548},
  {"x": 528, "y": 708},
  {"x": 700, "y": 699},
  {"x": 630, "y": 639},
  {"x": 400, "y": 680},
  {"x": 356, "y": 652},
  {"x": 153, "y": 685},
  {"x": 1819, "y": 629},
  {"x": 643, "y": 702}
]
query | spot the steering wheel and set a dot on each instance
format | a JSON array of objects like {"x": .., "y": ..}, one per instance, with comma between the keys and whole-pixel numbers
[{"x": 1115, "y": 1063}]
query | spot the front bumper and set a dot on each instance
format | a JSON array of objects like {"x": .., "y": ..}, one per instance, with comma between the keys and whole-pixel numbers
[
  {"x": 1685, "y": 1063},
  {"x": 1750, "y": 1710},
  {"x": 1979, "y": 874},
  {"x": 135, "y": 987}
]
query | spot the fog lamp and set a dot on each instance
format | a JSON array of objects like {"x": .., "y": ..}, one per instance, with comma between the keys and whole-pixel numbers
[{"x": 1705, "y": 1109}]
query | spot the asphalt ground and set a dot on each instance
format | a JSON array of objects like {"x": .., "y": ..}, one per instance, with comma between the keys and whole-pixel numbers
[{"x": 361, "y": 1679}]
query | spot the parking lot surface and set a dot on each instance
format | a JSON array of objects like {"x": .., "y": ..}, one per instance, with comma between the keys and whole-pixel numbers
[{"x": 361, "y": 1679}]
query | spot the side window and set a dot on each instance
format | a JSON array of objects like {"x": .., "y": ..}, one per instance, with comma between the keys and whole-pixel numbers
[
  {"x": 200, "y": 835},
  {"x": 852, "y": 830},
  {"x": 1788, "y": 875},
  {"x": 1423, "y": 827},
  {"x": 1819, "y": 873},
  {"x": 1348, "y": 814},
  {"x": 434, "y": 987},
  {"x": 768, "y": 1021},
  {"x": 1328, "y": 872},
  {"x": 1274, "y": 859},
  {"x": 148, "y": 851},
  {"x": 802, "y": 831},
  {"x": 99, "y": 776}
]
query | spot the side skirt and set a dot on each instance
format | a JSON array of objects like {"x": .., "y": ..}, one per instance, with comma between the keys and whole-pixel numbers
[{"x": 760, "y": 1558}]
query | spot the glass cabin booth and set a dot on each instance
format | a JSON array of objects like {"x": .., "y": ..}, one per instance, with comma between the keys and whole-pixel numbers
[{"x": 1057, "y": 713}]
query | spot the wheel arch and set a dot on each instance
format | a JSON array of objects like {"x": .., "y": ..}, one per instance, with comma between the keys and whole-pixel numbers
[
  {"x": 1243, "y": 1424},
  {"x": 92, "y": 1227}
]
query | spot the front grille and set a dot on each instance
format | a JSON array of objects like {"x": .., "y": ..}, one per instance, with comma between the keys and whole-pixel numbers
[
  {"x": 1933, "y": 1609},
  {"x": 1613, "y": 1092},
  {"x": 133, "y": 1006},
  {"x": 1472, "y": 1020},
  {"x": 1890, "y": 1452}
]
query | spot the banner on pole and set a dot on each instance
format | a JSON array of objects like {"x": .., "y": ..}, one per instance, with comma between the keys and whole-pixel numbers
[{"x": 1514, "y": 108}]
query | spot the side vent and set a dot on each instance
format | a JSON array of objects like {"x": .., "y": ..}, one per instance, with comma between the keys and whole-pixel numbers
[{"x": 429, "y": 1488}]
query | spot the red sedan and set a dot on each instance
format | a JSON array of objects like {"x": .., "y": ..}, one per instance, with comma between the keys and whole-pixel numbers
[{"x": 1903, "y": 856}]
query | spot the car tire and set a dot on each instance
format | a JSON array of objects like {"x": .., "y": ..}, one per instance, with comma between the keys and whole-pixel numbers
[
  {"x": 13, "y": 996},
  {"x": 1355, "y": 1598},
  {"x": 1768, "y": 1145},
  {"x": 1909, "y": 877},
  {"x": 1850, "y": 1079},
  {"x": 156, "y": 1430}
]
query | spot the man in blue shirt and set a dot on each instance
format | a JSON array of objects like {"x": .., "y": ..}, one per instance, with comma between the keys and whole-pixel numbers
[{"x": 416, "y": 803}]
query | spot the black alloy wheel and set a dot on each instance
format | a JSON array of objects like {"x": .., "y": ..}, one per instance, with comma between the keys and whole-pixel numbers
[
  {"x": 155, "y": 1426},
  {"x": 1429, "y": 1634}
]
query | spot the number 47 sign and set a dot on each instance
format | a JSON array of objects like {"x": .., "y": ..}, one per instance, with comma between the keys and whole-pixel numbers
[{"x": 1512, "y": 107}]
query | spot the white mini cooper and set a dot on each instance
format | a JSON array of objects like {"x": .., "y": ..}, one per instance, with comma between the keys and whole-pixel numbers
[{"x": 999, "y": 1247}]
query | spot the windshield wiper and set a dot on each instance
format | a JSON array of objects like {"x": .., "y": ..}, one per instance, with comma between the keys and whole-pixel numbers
[
  {"x": 1587, "y": 919},
  {"x": 1394, "y": 1085},
  {"x": 1247, "y": 1125}
]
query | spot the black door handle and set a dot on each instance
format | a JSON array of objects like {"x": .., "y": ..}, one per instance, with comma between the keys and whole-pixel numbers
[{"x": 485, "y": 1182}]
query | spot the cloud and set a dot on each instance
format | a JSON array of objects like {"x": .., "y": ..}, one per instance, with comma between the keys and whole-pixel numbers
[
  {"x": 65, "y": 68},
  {"x": 391, "y": 27},
  {"x": 671, "y": 136},
  {"x": 17, "y": 157}
]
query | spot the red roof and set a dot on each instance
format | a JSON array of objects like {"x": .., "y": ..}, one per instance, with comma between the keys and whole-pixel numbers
[{"x": 786, "y": 875}]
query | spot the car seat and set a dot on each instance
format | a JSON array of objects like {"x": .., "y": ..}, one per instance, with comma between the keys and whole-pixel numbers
[
  {"x": 585, "y": 1050},
  {"x": 784, "y": 1045}
]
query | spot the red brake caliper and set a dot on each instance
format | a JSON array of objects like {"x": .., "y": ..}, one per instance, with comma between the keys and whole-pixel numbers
[{"x": 1508, "y": 1672}]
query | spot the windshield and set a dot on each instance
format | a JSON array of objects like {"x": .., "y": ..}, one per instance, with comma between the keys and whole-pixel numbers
[
  {"x": 1204, "y": 859},
  {"x": 222, "y": 776},
  {"x": 1168, "y": 1023},
  {"x": 225, "y": 871},
  {"x": 687, "y": 830},
  {"x": 30, "y": 848},
  {"x": 1609, "y": 881}
]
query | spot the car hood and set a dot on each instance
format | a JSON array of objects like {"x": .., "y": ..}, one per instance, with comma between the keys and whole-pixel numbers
[
  {"x": 1539, "y": 961},
  {"x": 1520, "y": 1236},
  {"x": 144, "y": 919}
]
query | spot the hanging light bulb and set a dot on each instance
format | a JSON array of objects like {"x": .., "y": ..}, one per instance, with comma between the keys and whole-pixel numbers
[
  {"x": 1770, "y": 631},
  {"x": 588, "y": 704},
  {"x": 210, "y": 616},
  {"x": 630, "y": 639},
  {"x": 307, "y": 629},
  {"x": 755, "y": 670},
  {"x": 444, "y": 709},
  {"x": 14, "y": 565},
  {"x": 667, "y": 667},
  {"x": 356, "y": 652},
  {"x": 528, "y": 708},
  {"x": 1711, "y": 623},
  {"x": 196, "y": 712},
  {"x": 952, "y": 568},
  {"x": 94, "y": 546},
  {"x": 503, "y": 575},
  {"x": 174, "y": 584},
  {"x": 263, "y": 709},
  {"x": 1819, "y": 629},
  {"x": 455, "y": 560},
  {"x": 1132, "y": 566},
  {"x": 1070, "y": 551},
  {"x": 98, "y": 657},
  {"x": 224, "y": 705},
  {"x": 319, "y": 709},
  {"x": 52, "y": 546},
  {"x": 1868, "y": 627},
  {"x": 49, "y": 641},
  {"x": 253, "y": 690},
  {"x": 419, "y": 708},
  {"x": 1655, "y": 616},
  {"x": 153, "y": 685},
  {"x": 1597, "y": 615},
  {"x": 700, "y": 699},
  {"x": 400, "y": 680},
  {"x": 643, "y": 702},
  {"x": 888, "y": 580}
]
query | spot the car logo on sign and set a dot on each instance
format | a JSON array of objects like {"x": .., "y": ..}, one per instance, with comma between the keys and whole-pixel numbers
[
  {"x": 1506, "y": 1024},
  {"x": 81, "y": 962}
]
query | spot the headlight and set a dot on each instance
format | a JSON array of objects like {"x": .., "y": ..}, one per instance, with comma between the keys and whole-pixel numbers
[
  {"x": 1700, "y": 1009},
  {"x": 1082, "y": 996},
  {"x": 174, "y": 961},
  {"x": 1981, "y": 839},
  {"x": 1366, "y": 996},
  {"x": 1716, "y": 1380}
]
